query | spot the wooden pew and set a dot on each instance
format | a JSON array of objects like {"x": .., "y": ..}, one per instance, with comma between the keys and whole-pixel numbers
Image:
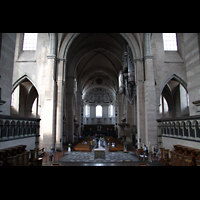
[
  {"x": 116, "y": 148},
  {"x": 26, "y": 158},
  {"x": 118, "y": 145},
  {"x": 82, "y": 147},
  {"x": 198, "y": 158},
  {"x": 14, "y": 156},
  {"x": 12, "y": 161},
  {"x": 172, "y": 162},
  {"x": 165, "y": 157},
  {"x": 186, "y": 154},
  {"x": 188, "y": 161}
]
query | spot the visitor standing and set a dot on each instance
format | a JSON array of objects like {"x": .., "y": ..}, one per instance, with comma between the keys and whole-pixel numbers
[{"x": 50, "y": 154}]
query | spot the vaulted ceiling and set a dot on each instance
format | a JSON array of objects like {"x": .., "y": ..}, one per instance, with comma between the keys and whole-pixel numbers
[{"x": 96, "y": 56}]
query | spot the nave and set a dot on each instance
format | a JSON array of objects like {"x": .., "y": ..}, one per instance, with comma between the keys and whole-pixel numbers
[{"x": 118, "y": 158}]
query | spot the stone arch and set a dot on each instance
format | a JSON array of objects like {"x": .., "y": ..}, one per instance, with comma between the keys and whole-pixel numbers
[
  {"x": 21, "y": 79},
  {"x": 175, "y": 77},
  {"x": 26, "y": 97},
  {"x": 174, "y": 90}
]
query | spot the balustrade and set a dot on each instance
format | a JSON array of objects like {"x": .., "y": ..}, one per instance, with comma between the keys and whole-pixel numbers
[
  {"x": 13, "y": 127},
  {"x": 181, "y": 128}
]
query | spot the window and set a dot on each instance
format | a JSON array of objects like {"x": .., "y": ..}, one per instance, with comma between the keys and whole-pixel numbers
[
  {"x": 98, "y": 111},
  {"x": 87, "y": 111},
  {"x": 30, "y": 41},
  {"x": 110, "y": 111},
  {"x": 164, "y": 108},
  {"x": 170, "y": 42}
]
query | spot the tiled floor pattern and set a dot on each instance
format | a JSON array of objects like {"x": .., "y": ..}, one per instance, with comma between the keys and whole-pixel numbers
[
  {"x": 75, "y": 158},
  {"x": 103, "y": 164},
  {"x": 89, "y": 157}
]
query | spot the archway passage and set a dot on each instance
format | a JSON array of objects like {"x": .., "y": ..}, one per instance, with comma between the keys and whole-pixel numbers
[
  {"x": 24, "y": 99},
  {"x": 174, "y": 99},
  {"x": 94, "y": 61}
]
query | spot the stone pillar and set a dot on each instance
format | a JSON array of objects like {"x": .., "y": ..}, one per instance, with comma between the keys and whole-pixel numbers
[
  {"x": 59, "y": 113},
  {"x": 119, "y": 114},
  {"x": 150, "y": 95},
  {"x": 50, "y": 93},
  {"x": 69, "y": 108},
  {"x": 140, "y": 102},
  {"x": 79, "y": 101}
]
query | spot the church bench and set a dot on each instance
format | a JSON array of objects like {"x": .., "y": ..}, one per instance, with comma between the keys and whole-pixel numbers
[
  {"x": 18, "y": 160},
  {"x": 18, "y": 156},
  {"x": 82, "y": 147},
  {"x": 8, "y": 152},
  {"x": 118, "y": 145},
  {"x": 116, "y": 148},
  {"x": 184, "y": 156},
  {"x": 165, "y": 157}
]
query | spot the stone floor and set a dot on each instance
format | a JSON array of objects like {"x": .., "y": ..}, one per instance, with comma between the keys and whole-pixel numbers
[
  {"x": 89, "y": 157},
  {"x": 77, "y": 158}
]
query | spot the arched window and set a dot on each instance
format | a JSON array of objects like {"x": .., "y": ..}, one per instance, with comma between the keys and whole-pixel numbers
[
  {"x": 98, "y": 111},
  {"x": 110, "y": 111},
  {"x": 30, "y": 41},
  {"x": 87, "y": 111},
  {"x": 170, "y": 42}
]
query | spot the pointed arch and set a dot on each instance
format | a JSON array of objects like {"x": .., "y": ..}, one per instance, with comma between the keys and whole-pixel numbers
[
  {"x": 174, "y": 90},
  {"x": 173, "y": 77},
  {"x": 25, "y": 98},
  {"x": 22, "y": 79}
]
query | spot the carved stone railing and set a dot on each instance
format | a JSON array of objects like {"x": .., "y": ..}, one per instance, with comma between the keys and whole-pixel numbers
[
  {"x": 186, "y": 128},
  {"x": 13, "y": 127}
]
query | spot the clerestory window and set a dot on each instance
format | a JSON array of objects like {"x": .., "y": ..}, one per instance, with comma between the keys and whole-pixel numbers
[
  {"x": 110, "y": 111},
  {"x": 170, "y": 42},
  {"x": 30, "y": 41},
  {"x": 87, "y": 111},
  {"x": 98, "y": 111}
]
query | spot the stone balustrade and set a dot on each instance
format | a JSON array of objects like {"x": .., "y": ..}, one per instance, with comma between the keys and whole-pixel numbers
[
  {"x": 187, "y": 128},
  {"x": 13, "y": 127}
]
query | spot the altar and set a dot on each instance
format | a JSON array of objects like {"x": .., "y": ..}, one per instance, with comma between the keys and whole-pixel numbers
[{"x": 99, "y": 153}]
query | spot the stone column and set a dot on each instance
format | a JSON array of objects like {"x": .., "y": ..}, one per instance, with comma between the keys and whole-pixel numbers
[
  {"x": 69, "y": 108},
  {"x": 150, "y": 95},
  {"x": 140, "y": 102},
  {"x": 50, "y": 92},
  {"x": 59, "y": 113},
  {"x": 79, "y": 101},
  {"x": 119, "y": 114}
]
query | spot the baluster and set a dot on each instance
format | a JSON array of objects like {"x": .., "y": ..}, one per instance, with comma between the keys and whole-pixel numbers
[
  {"x": 1, "y": 129},
  {"x": 7, "y": 128},
  {"x": 194, "y": 128}
]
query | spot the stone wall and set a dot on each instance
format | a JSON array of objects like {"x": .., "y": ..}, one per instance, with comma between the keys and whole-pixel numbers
[
  {"x": 7, "y": 50},
  {"x": 192, "y": 61}
]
